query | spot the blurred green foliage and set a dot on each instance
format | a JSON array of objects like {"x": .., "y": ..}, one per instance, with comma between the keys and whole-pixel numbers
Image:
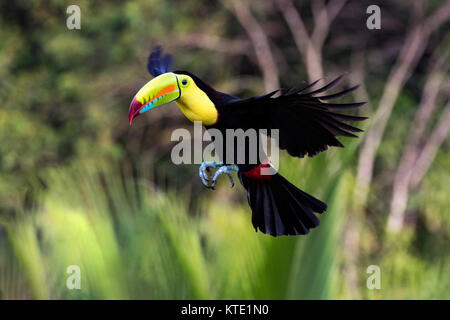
[{"x": 79, "y": 186}]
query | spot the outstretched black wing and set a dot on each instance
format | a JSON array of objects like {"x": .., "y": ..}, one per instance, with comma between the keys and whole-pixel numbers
[
  {"x": 157, "y": 63},
  {"x": 307, "y": 125}
]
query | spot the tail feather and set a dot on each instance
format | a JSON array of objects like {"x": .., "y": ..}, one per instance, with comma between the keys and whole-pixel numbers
[
  {"x": 279, "y": 207},
  {"x": 280, "y": 226}
]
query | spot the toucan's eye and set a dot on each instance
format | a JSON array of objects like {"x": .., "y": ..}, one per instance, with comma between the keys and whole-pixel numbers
[{"x": 184, "y": 82}]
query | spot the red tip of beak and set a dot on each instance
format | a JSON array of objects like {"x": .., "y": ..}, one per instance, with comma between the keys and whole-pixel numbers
[{"x": 135, "y": 107}]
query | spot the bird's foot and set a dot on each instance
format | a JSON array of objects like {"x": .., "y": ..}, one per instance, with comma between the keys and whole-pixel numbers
[
  {"x": 205, "y": 171},
  {"x": 224, "y": 170}
]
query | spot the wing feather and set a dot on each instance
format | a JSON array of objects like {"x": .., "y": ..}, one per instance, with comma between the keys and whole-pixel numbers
[{"x": 306, "y": 125}]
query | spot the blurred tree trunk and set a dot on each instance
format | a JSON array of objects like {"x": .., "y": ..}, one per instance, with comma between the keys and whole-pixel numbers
[
  {"x": 437, "y": 137},
  {"x": 310, "y": 46},
  {"x": 414, "y": 175},
  {"x": 410, "y": 53},
  {"x": 412, "y": 150},
  {"x": 259, "y": 41}
]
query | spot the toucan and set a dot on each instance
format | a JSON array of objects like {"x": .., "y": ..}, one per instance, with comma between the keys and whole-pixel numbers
[{"x": 307, "y": 124}]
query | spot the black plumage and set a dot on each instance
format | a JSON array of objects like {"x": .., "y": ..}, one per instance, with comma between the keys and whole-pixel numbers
[
  {"x": 308, "y": 124},
  {"x": 279, "y": 207}
]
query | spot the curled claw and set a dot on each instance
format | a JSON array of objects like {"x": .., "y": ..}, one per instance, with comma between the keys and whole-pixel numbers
[
  {"x": 203, "y": 175},
  {"x": 204, "y": 171},
  {"x": 224, "y": 170}
]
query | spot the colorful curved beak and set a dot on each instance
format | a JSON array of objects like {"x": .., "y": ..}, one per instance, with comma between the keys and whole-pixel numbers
[{"x": 158, "y": 91}]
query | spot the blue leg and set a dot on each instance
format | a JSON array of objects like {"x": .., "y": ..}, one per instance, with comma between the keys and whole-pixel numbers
[
  {"x": 203, "y": 171},
  {"x": 224, "y": 170}
]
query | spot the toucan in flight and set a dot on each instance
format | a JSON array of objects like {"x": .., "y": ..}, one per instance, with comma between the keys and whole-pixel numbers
[{"x": 306, "y": 125}]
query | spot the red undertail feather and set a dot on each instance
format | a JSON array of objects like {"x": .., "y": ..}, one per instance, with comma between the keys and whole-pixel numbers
[{"x": 256, "y": 172}]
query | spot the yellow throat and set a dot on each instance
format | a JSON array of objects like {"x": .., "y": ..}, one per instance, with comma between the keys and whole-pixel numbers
[{"x": 194, "y": 103}]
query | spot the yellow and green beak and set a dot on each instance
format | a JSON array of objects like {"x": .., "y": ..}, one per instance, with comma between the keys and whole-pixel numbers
[{"x": 158, "y": 91}]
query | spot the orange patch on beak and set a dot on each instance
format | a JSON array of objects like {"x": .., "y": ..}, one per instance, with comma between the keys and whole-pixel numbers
[{"x": 164, "y": 91}]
